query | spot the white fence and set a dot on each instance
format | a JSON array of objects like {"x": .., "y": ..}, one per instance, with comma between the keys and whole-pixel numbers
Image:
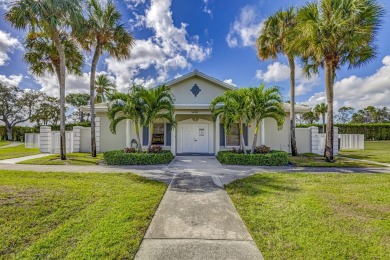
[
  {"x": 78, "y": 140},
  {"x": 351, "y": 141},
  {"x": 56, "y": 142},
  {"x": 32, "y": 140}
]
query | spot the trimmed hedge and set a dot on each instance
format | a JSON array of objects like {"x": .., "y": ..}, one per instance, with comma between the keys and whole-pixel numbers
[
  {"x": 69, "y": 127},
  {"x": 274, "y": 158},
  {"x": 372, "y": 132},
  {"x": 119, "y": 157},
  {"x": 17, "y": 133}
]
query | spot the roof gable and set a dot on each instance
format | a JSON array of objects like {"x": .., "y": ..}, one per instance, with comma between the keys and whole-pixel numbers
[{"x": 202, "y": 76}]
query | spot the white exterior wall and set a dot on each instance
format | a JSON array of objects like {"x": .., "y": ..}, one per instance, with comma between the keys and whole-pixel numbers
[
  {"x": 277, "y": 139},
  {"x": 303, "y": 137},
  {"x": 108, "y": 140}
]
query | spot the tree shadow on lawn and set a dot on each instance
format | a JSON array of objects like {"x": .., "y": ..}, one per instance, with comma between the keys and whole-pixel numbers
[{"x": 261, "y": 184}]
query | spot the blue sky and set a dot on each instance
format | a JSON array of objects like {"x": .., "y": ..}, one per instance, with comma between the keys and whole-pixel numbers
[{"x": 214, "y": 36}]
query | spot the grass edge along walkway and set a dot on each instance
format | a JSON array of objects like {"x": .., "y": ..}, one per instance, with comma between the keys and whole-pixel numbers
[
  {"x": 75, "y": 215},
  {"x": 316, "y": 216},
  {"x": 71, "y": 159},
  {"x": 17, "y": 151}
]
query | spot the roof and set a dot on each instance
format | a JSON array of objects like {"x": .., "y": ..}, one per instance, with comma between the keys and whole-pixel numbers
[{"x": 203, "y": 76}]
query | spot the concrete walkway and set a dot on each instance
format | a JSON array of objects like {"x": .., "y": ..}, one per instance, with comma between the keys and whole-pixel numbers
[
  {"x": 367, "y": 161},
  {"x": 196, "y": 218},
  {"x": 24, "y": 158},
  {"x": 12, "y": 144}
]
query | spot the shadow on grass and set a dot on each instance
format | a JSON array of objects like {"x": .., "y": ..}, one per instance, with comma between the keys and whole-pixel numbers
[{"x": 261, "y": 184}]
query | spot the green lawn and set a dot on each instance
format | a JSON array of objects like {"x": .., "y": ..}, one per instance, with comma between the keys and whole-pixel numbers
[
  {"x": 2, "y": 142},
  {"x": 378, "y": 151},
  {"x": 75, "y": 215},
  {"x": 316, "y": 216},
  {"x": 17, "y": 151},
  {"x": 72, "y": 159},
  {"x": 315, "y": 160}
]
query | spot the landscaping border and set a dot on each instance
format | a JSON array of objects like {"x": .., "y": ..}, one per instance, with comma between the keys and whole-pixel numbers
[
  {"x": 118, "y": 157},
  {"x": 274, "y": 158}
]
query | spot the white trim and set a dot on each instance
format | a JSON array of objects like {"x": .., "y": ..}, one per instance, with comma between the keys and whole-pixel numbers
[{"x": 201, "y": 75}]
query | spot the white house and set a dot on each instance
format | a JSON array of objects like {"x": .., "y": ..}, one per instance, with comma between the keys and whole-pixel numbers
[{"x": 196, "y": 132}]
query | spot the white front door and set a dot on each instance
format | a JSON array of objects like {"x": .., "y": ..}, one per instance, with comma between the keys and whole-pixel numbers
[{"x": 195, "y": 138}]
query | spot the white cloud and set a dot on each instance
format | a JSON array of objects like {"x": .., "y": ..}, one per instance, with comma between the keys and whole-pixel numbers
[
  {"x": 13, "y": 80},
  {"x": 169, "y": 49},
  {"x": 134, "y": 3},
  {"x": 74, "y": 84},
  {"x": 278, "y": 72},
  {"x": 206, "y": 8},
  {"x": 360, "y": 92},
  {"x": 6, "y": 4},
  {"x": 245, "y": 28},
  {"x": 230, "y": 82},
  {"x": 7, "y": 44}
]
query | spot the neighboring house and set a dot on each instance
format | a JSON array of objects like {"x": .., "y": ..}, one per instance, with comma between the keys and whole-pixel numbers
[{"x": 196, "y": 132}]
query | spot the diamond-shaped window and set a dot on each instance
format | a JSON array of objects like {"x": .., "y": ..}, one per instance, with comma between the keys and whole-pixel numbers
[{"x": 195, "y": 90}]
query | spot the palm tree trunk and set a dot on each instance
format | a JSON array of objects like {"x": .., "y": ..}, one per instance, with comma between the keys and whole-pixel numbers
[
  {"x": 95, "y": 61},
  {"x": 151, "y": 129},
  {"x": 61, "y": 81},
  {"x": 138, "y": 137},
  {"x": 323, "y": 123},
  {"x": 329, "y": 96},
  {"x": 255, "y": 137},
  {"x": 242, "y": 141},
  {"x": 294, "y": 150}
]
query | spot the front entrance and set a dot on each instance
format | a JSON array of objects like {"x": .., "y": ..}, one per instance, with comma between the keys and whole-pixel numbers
[{"x": 195, "y": 138}]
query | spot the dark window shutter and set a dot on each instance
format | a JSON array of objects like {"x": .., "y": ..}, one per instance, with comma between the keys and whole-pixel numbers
[
  {"x": 245, "y": 130},
  {"x": 145, "y": 135},
  {"x": 168, "y": 134},
  {"x": 221, "y": 135}
]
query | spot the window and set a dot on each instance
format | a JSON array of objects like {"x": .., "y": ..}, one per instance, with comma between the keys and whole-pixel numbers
[
  {"x": 233, "y": 138},
  {"x": 158, "y": 134}
]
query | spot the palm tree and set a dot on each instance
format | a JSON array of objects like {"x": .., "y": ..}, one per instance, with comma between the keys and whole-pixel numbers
[
  {"x": 332, "y": 34},
  {"x": 102, "y": 32},
  {"x": 265, "y": 103},
  {"x": 53, "y": 17},
  {"x": 310, "y": 117},
  {"x": 320, "y": 110},
  {"x": 274, "y": 39},
  {"x": 104, "y": 87},
  {"x": 127, "y": 106},
  {"x": 233, "y": 107},
  {"x": 42, "y": 56},
  {"x": 158, "y": 103}
]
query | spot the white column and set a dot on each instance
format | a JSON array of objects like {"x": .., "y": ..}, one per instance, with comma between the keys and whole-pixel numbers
[
  {"x": 128, "y": 135},
  {"x": 335, "y": 140},
  {"x": 97, "y": 129},
  {"x": 217, "y": 136},
  {"x": 76, "y": 139},
  {"x": 173, "y": 138},
  {"x": 262, "y": 132},
  {"x": 45, "y": 139},
  {"x": 314, "y": 140}
]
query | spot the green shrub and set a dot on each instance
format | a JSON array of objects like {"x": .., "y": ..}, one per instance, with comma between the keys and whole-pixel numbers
[
  {"x": 18, "y": 132},
  {"x": 274, "y": 158},
  {"x": 122, "y": 158},
  {"x": 372, "y": 132}
]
